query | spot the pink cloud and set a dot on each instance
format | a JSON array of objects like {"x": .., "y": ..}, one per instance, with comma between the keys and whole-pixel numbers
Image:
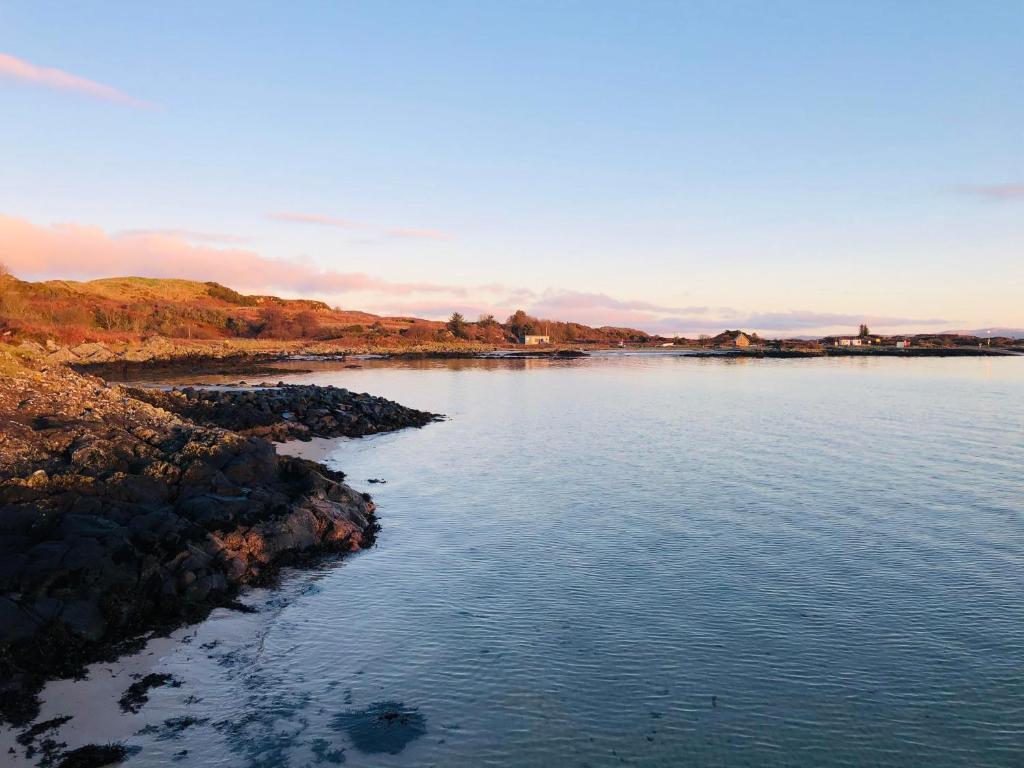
[
  {"x": 574, "y": 301},
  {"x": 312, "y": 218},
  {"x": 442, "y": 310},
  {"x": 422, "y": 234},
  {"x": 22, "y": 71},
  {"x": 76, "y": 251},
  {"x": 994, "y": 192}
]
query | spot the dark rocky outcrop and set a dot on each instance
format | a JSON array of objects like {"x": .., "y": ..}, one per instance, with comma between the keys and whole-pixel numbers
[
  {"x": 118, "y": 517},
  {"x": 94, "y": 756},
  {"x": 287, "y": 411}
]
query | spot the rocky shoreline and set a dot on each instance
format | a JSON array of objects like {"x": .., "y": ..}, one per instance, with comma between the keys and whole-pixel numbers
[
  {"x": 158, "y": 357},
  {"x": 124, "y": 511},
  {"x": 286, "y": 411}
]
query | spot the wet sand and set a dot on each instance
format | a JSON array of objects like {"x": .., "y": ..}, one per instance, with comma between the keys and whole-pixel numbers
[{"x": 93, "y": 702}]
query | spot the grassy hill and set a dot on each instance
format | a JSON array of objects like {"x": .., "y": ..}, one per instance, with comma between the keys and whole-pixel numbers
[{"x": 126, "y": 309}]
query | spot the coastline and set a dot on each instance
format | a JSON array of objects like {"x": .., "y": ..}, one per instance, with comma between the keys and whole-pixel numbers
[
  {"x": 168, "y": 709},
  {"x": 131, "y": 512},
  {"x": 160, "y": 357},
  {"x": 271, "y": 365},
  {"x": 90, "y": 707}
]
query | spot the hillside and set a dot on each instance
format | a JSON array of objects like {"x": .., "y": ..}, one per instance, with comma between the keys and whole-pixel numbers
[{"x": 128, "y": 309}]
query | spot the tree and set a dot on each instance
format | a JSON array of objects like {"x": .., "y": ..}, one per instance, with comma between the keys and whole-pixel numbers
[
  {"x": 457, "y": 325},
  {"x": 486, "y": 321},
  {"x": 864, "y": 330},
  {"x": 520, "y": 324}
]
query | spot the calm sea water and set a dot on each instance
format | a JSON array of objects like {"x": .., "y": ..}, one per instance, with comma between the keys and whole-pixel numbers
[{"x": 652, "y": 561}]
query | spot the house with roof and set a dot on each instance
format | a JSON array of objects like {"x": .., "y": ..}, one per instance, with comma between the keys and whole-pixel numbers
[
  {"x": 530, "y": 339},
  {"x": 731, "y": 339}
]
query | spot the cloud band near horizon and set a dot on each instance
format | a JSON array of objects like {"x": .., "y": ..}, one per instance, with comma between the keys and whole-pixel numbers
[
  {"x": 76, "y": 251},
  {"x": 999, "y": 193}
]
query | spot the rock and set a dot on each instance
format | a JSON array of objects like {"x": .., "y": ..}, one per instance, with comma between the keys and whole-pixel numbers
[
  {"x": 93, "y": 353},
  {"x": 133, "y": 699},
  {"x": 84, "y": 618},
  {"x": 118, "y": 516},
  {"x": 32, "y": 348},
  {"x": 62, "y": 355},
  {"x": 15, "y": 623},
  {"x": 94, "y": 756},
  {"x": 289, "y": 411}
]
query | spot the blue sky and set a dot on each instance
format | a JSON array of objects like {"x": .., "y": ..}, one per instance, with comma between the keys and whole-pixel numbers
[{"x": 787, "y": 167}]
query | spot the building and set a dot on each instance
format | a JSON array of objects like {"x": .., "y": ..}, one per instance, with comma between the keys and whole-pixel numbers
[
  {"x": 530, "y": 339},
  {"x": 903, "y": 344},
  {"x": 855, "y": 341},
  {"x": 736, "y": 339}
]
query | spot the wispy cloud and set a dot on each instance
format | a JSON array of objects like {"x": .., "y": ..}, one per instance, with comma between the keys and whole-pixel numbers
[
  {"x": 421, "y": 234},
  {"x": 576, "y": 302},
  {"x": 600, "y": 309},
  {"x": 997, "y": 193},
  {"x": 23, "y": 71},
  {"x": 312, "y": 218},
  {"x": 803, "y": 320}
]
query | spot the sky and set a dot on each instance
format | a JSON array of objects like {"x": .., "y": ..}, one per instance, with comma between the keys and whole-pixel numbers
[{"x": 790, "y": 168}]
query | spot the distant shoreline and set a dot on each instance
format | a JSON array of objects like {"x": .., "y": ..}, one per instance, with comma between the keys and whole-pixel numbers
[{"x": 270, "y": 364}]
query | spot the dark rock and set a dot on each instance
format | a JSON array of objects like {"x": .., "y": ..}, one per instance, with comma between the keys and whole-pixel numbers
[
  {"x": 288, "y": 411},
  {"x": 94, "y": 756},
  {"x": 15, "y": 622},
  {"x": 384, "y": 727},
  {"x": 138, "y": 692},
  {"x": 121, "y": 517},
  {"x": 84, "y": 618},
  {"x": 29, "y": 735}
]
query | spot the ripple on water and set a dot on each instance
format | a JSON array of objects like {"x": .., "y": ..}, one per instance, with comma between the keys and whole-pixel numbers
[{"x": 653, "y": 562}]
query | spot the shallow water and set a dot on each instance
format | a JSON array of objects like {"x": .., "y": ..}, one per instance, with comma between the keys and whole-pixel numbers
[{"x": 648, "y": 560}]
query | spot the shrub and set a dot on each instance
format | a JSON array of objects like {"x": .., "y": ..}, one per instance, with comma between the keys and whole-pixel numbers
[{"x": 222, "y": 292}]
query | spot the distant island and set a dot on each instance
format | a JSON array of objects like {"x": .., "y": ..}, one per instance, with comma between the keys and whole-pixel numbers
[{"x": 135, "y": 321}]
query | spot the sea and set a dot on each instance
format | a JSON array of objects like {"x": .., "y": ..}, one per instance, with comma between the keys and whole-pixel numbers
[{"x": 640, "y": 559}]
